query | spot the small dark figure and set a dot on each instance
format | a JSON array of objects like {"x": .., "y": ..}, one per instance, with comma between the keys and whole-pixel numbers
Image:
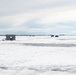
[
  {"x": 3, "y": 39},
  {"x": 56, "y": 36},
  {"x": 52, "y": 35}
]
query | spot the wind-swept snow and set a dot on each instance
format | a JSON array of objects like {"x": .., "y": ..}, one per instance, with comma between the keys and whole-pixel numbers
[{"x": 38, "y": 55}]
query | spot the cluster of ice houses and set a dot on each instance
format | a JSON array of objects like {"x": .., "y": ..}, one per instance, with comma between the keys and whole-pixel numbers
[{"x": 13, "y": 37}]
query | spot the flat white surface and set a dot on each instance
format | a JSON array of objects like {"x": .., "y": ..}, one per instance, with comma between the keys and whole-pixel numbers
[{"x": 38, "y": 55}]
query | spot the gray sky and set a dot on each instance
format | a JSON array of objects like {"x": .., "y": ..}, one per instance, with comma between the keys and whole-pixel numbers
[{"x": 38, "y": 17}]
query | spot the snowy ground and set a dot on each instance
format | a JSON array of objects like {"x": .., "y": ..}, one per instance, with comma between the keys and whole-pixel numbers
[{"x": 38, "y": 55}]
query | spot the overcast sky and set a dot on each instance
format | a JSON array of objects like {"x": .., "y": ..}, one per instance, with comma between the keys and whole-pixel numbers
[{"x": 38, "y": 17}]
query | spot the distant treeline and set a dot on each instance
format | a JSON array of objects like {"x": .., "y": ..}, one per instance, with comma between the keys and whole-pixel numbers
[{"x": 35, "y": 35}]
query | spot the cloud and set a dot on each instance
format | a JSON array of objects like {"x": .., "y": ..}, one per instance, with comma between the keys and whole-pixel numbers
[
  {"x": 19, "y": 6},
  {"x": 37, "y": 16}
]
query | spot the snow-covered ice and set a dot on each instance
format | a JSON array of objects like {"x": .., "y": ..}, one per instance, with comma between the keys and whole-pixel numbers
[{"x": 38, "y": 55}]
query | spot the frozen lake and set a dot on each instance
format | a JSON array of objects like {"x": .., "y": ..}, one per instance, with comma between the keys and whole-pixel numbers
[{"x": 38, "y": 55}]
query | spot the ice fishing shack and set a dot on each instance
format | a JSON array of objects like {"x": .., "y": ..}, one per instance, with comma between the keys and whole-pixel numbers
[{"x": 11, "y": 37}]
